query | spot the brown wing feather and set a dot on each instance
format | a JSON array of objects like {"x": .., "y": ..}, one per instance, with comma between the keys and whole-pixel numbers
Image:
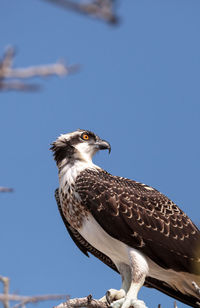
[
  {"x": 141, "y": 217},
  {"x": 85, "y": 247},
  {"x": 168, "y": 290}
]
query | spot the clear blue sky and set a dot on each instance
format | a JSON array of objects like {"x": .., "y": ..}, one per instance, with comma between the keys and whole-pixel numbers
[{"x": 138, "y": 88}]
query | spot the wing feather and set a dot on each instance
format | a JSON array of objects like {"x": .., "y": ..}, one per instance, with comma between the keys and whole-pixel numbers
[{"x": 141, "y": 217}]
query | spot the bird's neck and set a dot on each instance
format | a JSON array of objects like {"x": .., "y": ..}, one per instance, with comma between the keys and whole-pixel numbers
[{"x": 69, "y": 170}]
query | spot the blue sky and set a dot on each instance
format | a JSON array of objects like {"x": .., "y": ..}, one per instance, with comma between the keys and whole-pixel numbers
[{"x": 138, "y": 88}]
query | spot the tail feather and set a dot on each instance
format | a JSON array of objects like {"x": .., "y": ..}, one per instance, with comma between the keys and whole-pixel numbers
[{"x": 190, "y": 300}]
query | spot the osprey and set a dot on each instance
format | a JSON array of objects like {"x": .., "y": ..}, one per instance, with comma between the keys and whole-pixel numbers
[{"x": 131, "y": 227}]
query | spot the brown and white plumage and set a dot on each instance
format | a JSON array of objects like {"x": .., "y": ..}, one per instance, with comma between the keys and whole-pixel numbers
[
  {"x": 142, "y": 217},
  {"x": 129, "y": 226}
]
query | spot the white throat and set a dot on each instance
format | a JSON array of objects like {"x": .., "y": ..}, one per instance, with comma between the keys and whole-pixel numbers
[
  {"x": 85, "y": 152},
  {"x": 70, "y": 168},
  {"x": 69, "y": 172}
]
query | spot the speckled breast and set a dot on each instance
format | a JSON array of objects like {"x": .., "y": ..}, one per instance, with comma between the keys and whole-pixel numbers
[{"x": 72, "y": 208}]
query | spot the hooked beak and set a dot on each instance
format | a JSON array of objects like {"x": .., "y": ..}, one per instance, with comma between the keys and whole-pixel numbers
[{"x": 103, "y": 145}]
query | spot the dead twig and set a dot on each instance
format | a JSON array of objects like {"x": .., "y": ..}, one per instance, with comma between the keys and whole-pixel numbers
[
  {"x": 83, "y": 302},
  {"x": 23, "y": 300},
  {"x": 101, "y": 9},
  {"x": 175, "y": 304},
  {"x": 6, "y": 283},
  {"x": 6, "y": 298},
  {"x": 5, "y": 189},
  {"x": 7, "y": 72},
  {"x": 18, "y": 86},
  {"x": 35, "y": 299}
]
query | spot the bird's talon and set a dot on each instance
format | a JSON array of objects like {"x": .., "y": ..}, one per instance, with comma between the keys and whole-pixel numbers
[
  {"x": 108, "y": 297},
  {"x": 127, "y": 303},
  {"x": 89, "y": 298},
  {"x": 112, "y": 295}
]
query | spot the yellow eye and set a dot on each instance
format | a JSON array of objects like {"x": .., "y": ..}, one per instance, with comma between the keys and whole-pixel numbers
[{"x": 85, "y": 137}]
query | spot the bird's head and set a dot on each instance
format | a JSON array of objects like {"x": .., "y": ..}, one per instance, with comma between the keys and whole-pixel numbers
[{"x": 79, "y": 145}]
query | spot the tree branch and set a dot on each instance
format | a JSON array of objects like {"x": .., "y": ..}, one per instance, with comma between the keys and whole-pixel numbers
[
  {"x": 83, "y": 302},
  {"x": 5, "y": 297},
  {"x": 5, "y": 189},
  {"x": 88, "y": 302},
  {"x": 8, "y": 72},
  {"x": 101, "y": 9},
  {"x": 6, "y": 283}
]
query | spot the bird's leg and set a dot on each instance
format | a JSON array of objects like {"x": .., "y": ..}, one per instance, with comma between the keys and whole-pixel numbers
[
  {"x": 131, "y": 298},
  {"x": 113, "y": 294},
  {"x": 138, "y": 270}
]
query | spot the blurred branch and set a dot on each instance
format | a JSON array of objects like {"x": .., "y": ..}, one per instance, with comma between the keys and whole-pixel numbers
[
  {"x": 23, "y": 300},
  {"x": 5, "y": 297},
  {"x": 175, "y": 304},
  {"x": 5, "y": 189},
  {"x": 6, "y": 283},
  {"x": 8, "y": 72},
  {"x": 83, "y": 302},
  {"x": 101, "y": 9},
  {"x": 18, "y": 86}
]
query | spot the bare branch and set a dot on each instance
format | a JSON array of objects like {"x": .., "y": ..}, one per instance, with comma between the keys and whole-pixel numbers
[
  {"x": 7, "y": 72},
  {"x": 19, "y": 86},
  {"x": 101, "y": 9},
  {"x": 175, "y": 304},
  {"x": 6, "y": 283},
  {"x": 28, "y": 299},
  {"x": 5, "y": 297},
  {"x": 7, "y": 59},
  {"x": 38, "y": 298},
  {"x": 58, "y": 69},
  {"x": 5, "y": 189},
  {"x": 83, "y": 302}
]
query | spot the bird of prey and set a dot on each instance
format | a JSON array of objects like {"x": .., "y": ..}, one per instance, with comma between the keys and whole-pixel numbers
[{"x": 131, "y": 227}]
